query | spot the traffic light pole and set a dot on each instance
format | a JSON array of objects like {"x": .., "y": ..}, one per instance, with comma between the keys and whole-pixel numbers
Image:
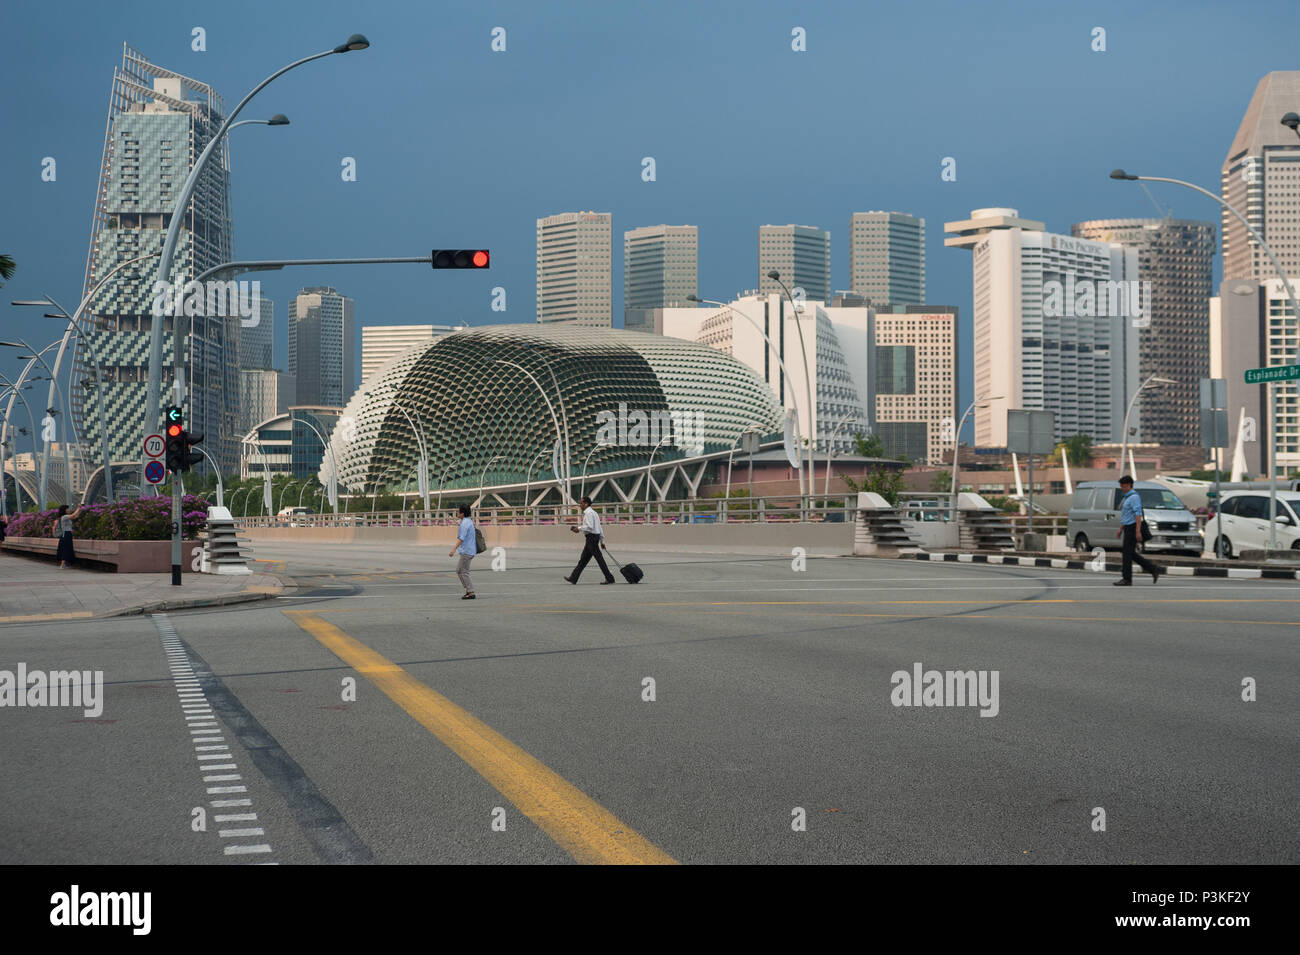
[{"x": 179, "y": 331}]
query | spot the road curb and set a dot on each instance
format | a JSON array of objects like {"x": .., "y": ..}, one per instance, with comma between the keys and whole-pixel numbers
[
  {"x": 1062, "y": 563},
  {"x": 264, "y": 591}
]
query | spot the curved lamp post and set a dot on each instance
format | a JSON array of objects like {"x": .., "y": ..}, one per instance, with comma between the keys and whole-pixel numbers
[
  {"x": 16, "y": 392},
  {"x": 776, "y": 353},
  {"x": 280, "y": 504},
  {"x": 51, "y": 411},
  {"x": 583, "y": 492},
  {"x": 328, "y": 447},
  {"x": 375, "y": 496},
  {"x": 830, "y": 445},
  {"x": 956, "y": 444},
  {"x": 529, "y": 477},
  {"x": 355, "y": 42},
  {"x": 418, "y": 433},
  {"x": 483, "y": 478},
  {"x": 1154, "y": 379},
  {"x": 648, "y": 482},
  {"x": 566, "y": 492},
  {"x": 1293, "y": 121},
  {"x": 775, "y": 276},
  {"x": 441, "y": 478}
]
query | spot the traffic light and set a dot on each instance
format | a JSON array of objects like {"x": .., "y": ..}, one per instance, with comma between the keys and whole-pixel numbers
[
  {"x": 179, "y": 441},
  {"x": 460, "y": 259}
]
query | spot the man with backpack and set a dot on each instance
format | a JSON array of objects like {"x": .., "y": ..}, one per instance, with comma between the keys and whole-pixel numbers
[
  {"x": 466, "y": 547},
  {"x": 590, "y": 527}
]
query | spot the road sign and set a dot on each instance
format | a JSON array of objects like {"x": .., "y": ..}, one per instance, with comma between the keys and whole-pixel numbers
[
  {"x": 1031, "y": 432},
  {"x": 1256, "y": 376},
  {"x": 154, "y": 446},
  {"x": 154, "y": 472}
]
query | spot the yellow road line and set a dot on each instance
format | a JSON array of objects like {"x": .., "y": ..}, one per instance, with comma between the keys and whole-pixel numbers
[{"x": 579, "y": 825}]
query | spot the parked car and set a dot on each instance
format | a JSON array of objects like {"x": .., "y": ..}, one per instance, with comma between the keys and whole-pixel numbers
[
  {"x": 289, "y": 513},
  {"x": 1095, "y": 510},
  {"x": 1244, "y": 516}
]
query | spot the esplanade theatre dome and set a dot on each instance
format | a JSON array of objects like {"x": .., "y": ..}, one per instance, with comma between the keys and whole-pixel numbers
[{"x": 494, "y": 399}]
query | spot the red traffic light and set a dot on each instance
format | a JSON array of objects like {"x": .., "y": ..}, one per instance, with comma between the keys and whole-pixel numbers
[
  {"x": 174, "y": 430},
  {"x": 460, "y": 259}
]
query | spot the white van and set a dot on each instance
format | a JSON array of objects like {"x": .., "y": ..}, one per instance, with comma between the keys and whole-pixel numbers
[
  {"x": 1095, "y": 510},
  {"x": 1245, "y": 522}
]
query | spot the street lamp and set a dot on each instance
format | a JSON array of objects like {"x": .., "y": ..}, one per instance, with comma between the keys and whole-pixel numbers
[
  {"x": 1295, "y": 311},
  {"x": 38, "y": 356},
  {"x": 529, "y": 477},
  {"x": 280, "y": 504},
  {"x": 726, "y": 498},
  {"x": 355, "y": 42},
  {"x": 830, "y": 446},
  {"x": 375, "y": 496},
  {"x": 1154, "y": 379},
  {"x": 441, "y": 477},
  {"x": 776, "y": 353},
  {"x": 334, "y": 457},
  {"x": 14, "y": 392},
  {"x": 566, "y": 492},
  {"x": 418, "y": 434},
  {"x": 583, "y": 491},
  {"x": 956, "y": 444},
  {"x": 648, "y": 481},
  {"x": 483, "y": 478},
  {"x": 775, "y": 276}
]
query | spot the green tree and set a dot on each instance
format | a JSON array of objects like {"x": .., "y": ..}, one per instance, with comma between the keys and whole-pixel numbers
[
  {"x": 868, "y": 446},
  {"x": 942, "y": 481},
  {"x": 7, "y": 268},
  {"x": 887, "y": 482},
  {"x": 1079, "y": 448}
]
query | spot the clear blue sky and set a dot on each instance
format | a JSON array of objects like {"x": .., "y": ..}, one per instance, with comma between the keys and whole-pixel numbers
[{"x": 458, "y": 146}]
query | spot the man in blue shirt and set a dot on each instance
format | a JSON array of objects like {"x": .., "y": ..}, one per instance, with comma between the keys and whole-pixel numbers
[
  {"x": 466, "y": 547},
  {"x": 1129, "y": 515}
]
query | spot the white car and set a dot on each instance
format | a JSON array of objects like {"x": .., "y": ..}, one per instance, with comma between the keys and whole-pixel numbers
[{"x": 1245, "y": 522}]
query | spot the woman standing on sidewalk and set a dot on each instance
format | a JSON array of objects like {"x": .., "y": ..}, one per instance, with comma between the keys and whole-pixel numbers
[{"x": 65, "y": 554}]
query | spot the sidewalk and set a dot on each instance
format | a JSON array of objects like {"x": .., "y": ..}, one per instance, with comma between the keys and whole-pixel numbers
[{"x": 34, "y": 591}]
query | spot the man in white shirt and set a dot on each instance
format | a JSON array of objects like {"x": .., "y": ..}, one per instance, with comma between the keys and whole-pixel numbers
[{"x": 595, "y": 540}]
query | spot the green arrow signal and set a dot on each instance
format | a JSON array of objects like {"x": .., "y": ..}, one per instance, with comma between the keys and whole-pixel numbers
[{"x": 173, "y": 413}]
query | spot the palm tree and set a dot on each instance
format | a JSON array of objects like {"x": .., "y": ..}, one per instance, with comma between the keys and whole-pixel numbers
[{"x": 7, "y": 268}]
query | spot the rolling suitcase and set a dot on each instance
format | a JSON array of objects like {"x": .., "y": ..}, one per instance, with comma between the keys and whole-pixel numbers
[{"x": 631, "y": 572}]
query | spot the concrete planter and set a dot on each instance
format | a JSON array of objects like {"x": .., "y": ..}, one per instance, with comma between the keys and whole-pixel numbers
[{"x": 125, "y": 557}]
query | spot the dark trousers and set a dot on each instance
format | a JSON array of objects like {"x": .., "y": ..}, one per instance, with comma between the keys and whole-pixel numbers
[
  {"x": 1132, "y": 556},
  {"x": 592, "y": 550}
]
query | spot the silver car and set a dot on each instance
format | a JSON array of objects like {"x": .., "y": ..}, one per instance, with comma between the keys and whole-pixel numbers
[{"x": 1095, "y": 510}]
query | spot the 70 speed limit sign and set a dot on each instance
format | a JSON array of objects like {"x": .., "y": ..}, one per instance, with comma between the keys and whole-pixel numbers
[{"x": 154, "y": 446}]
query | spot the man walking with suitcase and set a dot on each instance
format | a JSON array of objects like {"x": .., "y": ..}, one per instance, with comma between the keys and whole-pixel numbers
[{"x": 590, "y": 527}]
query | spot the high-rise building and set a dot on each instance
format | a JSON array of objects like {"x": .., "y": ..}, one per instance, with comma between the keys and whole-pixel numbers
[
  {"x": 1257, "y": 328},
  {"x": 801, "y": 254},
  {"x": 1176, "y": 256},
  {"x": 887, "y": 258},
  {"x": 915, "y": 381},
  {"x": 661, "y": 266},
  {"x": 157, "y": 121},
  {"x": 381, "y": 343},
  {"x": 257, "y": 336},
  {"x": 1055, "y": 326},
  {"x": 574, "y": 269},
  {"x": 264, "y": 393},
  {"x": 322, "y": 347},
  {"x": 1261, "y": 179}
]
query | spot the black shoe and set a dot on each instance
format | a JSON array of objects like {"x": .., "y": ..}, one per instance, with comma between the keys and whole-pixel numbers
[
  {"x": 469, "y": 597},
  {"x": 1122, "y": 583},
  {"x": 570, "y": 580},
  {"x": 1155, "y": 575},
  {"x": 610, "y": 581}
]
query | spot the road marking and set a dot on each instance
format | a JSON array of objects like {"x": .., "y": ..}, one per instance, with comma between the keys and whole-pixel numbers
[
  {"x": 240, "y": 833},
  {"x": 230, "y": 803},
  {"x": 583, "y": 828},
  {"x": 235, "y": 817},
  {"x": 211, "y": 752},
  {"x": 42, "y": 617},
  {"x": 246, "y": 850}
]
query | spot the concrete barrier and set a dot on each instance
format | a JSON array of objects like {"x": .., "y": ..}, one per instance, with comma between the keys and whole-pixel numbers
[
  {"x": 817, "y": 539},
  {"x": 124, "y": 557}
]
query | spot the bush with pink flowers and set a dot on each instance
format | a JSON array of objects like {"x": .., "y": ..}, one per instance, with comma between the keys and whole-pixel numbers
[{"x": 134, "y": 519}]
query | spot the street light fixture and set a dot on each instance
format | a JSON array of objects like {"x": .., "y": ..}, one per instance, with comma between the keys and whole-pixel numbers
[
  {"x": 1295, "y": 311},
  {"x": 648, "y": 481},
  {"x": 775, "y": 276},
  {"x": 956, "y": 444},
  {"x": 1154, "y": 379},
  {"x": 483, "y": 478}
]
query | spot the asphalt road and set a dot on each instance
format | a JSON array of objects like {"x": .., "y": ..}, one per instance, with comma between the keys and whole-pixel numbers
[{"x": 517, "y": 727}]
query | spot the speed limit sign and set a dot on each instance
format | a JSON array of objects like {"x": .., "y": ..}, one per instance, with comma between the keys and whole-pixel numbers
[{"x": 154, "y": 446}]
